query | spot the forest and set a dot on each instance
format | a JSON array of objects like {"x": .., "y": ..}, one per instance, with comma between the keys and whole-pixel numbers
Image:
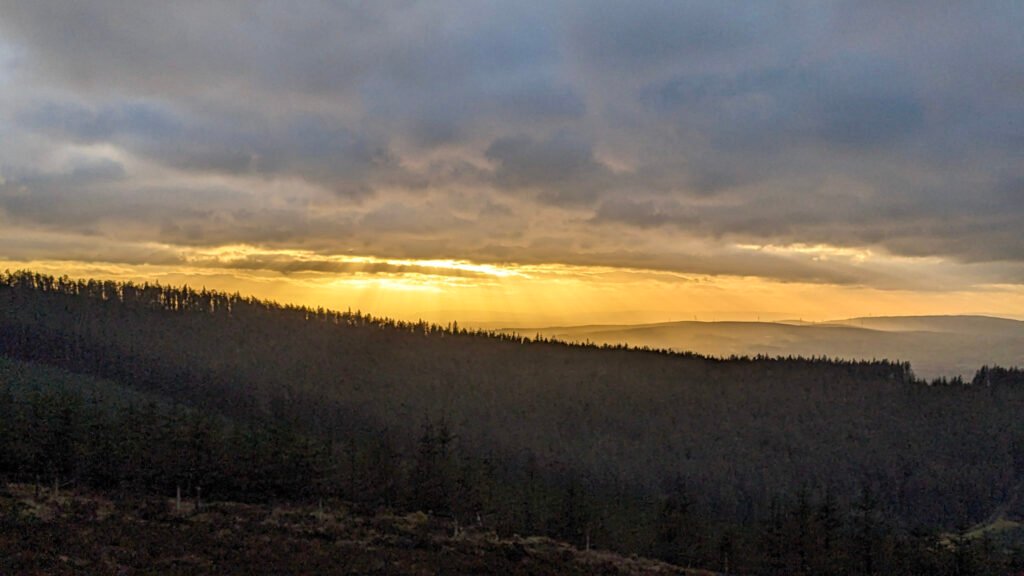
[{"x": 746, "y": 465}]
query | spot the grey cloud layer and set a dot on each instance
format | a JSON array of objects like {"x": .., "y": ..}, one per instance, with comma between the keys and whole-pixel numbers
[{"x": 532, "y": 131}]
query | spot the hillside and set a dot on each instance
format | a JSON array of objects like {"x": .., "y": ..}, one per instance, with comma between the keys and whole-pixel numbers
[
  {"x": 949, "y": 324},
  {"x": 766, "y": 464},
  {"x": 89, "y": 533},
  {"x": 937, "y": 346}
]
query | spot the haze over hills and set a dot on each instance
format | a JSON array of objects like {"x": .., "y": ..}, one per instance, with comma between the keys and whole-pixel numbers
[{"x": 936, "y": 346}]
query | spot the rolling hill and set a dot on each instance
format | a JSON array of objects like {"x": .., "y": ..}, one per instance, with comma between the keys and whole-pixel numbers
[{"x": 936, "y": 346}]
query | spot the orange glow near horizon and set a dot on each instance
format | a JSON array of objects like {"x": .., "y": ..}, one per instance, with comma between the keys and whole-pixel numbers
[{"x": 440, "y": 290}]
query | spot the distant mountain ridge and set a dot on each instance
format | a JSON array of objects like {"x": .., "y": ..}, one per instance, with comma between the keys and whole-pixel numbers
[
  {"x": 936, "y": 346},
  {"x": 952, "y": 323}
]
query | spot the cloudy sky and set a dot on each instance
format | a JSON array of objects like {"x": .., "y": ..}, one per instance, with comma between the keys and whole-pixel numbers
[{"x": 529, "y": 161}]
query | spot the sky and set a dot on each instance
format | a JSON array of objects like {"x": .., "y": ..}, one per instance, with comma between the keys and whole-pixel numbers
[{"x": 524, "y": 162}]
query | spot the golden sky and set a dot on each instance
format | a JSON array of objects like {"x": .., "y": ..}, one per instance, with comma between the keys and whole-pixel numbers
[
  {"x": 524, "y": 163},
  {"x": 494, "y": 295}
]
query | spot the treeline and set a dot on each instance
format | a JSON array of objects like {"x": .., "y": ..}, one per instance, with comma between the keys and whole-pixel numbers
[
  {"x": 185, "y": 299},
  {"x": 701, "y": 461}
]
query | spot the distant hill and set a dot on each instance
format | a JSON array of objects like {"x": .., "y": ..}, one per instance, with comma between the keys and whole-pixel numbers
[
  {"x": 954, "y": 324},
  {"x": 946, "y": 346}
]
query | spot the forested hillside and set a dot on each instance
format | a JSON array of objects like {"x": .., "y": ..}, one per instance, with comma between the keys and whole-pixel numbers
[{"x": 758, "y": 465}]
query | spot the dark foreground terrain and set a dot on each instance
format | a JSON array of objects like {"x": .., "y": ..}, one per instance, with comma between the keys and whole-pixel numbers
[{"x": 88, "y": 533}]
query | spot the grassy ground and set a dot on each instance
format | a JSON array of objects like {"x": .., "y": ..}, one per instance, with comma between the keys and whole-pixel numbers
[{"x": 88, "y": 533}]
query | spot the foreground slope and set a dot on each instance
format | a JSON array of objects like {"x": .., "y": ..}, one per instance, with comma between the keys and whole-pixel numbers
[{"x": 89, "y": 533}]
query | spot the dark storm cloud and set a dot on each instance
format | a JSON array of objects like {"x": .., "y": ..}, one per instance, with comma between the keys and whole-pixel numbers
[
  {"x": 841, "y": 103},
  {"x": 316, "y": 148},
  {"x": 893, "y": 126},
  {"x": 643, "y": 214},
  {"x": 563, "y": 168},
  {"x": 80, "y": 123},
  {"x": 290, "y": 265},
  {"x": 27, "y": 247},
  {"x": 648, "y": 35}
]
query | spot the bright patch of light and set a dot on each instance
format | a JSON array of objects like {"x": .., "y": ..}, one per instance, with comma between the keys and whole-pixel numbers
[
  {"x": 816, "y": 251},
  {"x": 242, "y": 253},
  {"x": 487, "y": 269}
]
